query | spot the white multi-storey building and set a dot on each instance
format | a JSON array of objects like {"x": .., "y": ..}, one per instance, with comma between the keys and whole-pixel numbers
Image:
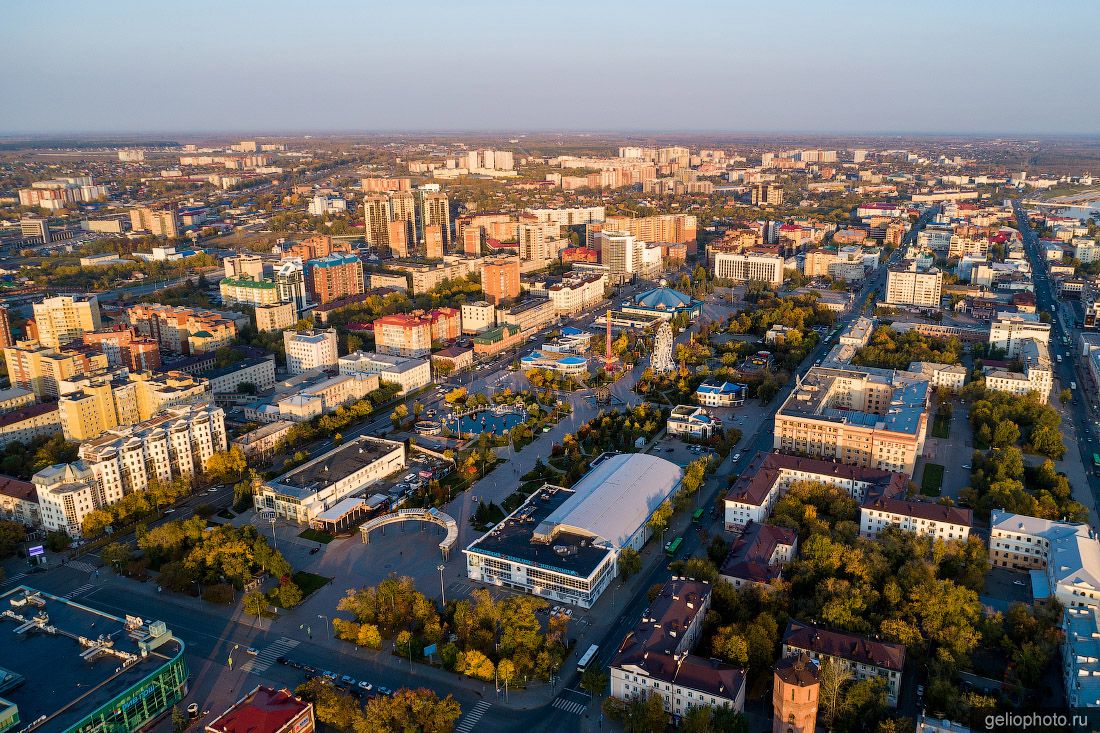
[
  {"x": 1010, "y": 331},
  {"x": 1036, "y": 377},
  {"x": 310, "y": 349},
  {"x": 911, "y": 285},
  {"x": 749, "y": 266},
  {"x": 178, "y": 443},
  {"x": 1068, "y": 552},
  {"x": 410, "y": 373},
  {"x": 578, "y": 292}
]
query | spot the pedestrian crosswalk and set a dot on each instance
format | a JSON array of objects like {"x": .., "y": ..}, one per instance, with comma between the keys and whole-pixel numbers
[
  {"x": 81, "y": 565},
  {"x": 78, "y": 591},
  {"x": 477, "y": 712},
  {"x": 569, "y": 706},
  {"x": 13, "y": 579},
  {"x": 270, "y": 653}
]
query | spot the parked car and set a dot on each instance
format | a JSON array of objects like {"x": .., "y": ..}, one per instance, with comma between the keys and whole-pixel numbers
[{"x": 364, "y": 685}]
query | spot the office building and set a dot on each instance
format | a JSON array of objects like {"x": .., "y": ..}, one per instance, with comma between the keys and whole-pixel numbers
[
  {"x": 39, "y": 368},
  {"x": 500, "y": 279},
  {"x": 275, "y": 317},
  {"x": 749, "y": 265},
  {"x": 61, "y": 320},
  {"x": 68, "y": 667},
  {"x": 345, "y": 471},
  {"x": 321, "y": 396},
  {"x": 909, "y": 284},
  {"x": 498, "y": 339},
  {"x": 411, "y": 374},
  {"x": 412, "y": 334},
  {"x": 245, "y": 290},
  {"x": 181, "y": 330},
  {"x": 310, "y": 349},
  {"x": 31, "y": 227},
  {"x": 160, "y": 223},
  {"x": 864, "y": 658},
  {"x": 259, "y": 372},
  {"x": 857, "y": 417},
  {"x": 333, "y": 277},
  {"x": 563, "y": 544},
  {"x": 529, "y": 315},
  {"x": 655, "y": 657},
  {"x": 620, "y": 252},
  {"x": 577, "y": 292},
  {"x": 290, "y": 282},
  {"x": 266, "y": 710}
]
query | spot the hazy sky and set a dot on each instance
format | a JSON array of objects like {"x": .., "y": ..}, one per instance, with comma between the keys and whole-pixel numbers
[{"x": 825, "y": 66}]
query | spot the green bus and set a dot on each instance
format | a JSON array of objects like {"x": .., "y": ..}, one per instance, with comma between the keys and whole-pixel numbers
[
  {"x": 698, "y": 515},
  {"x": 673, "y": 547},
  {"x": 1096, "y": 460}
]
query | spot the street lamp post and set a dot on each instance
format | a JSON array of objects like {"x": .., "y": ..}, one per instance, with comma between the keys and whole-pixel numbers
[
  {"x": 327, "y": 624},
  {"x": 442, "y": 590},
  {"x": 274, "y": 542}
]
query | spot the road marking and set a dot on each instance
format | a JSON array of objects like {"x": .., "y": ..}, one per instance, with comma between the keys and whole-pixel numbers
[
  {"x": 81, "y": 565},
  {"x": 13, "y": 578},
  {"x": 569, "y": 706},
  {"x": 270, "y": 653},
  {"x": 472, "y": 717},
  {"x": 82, "y": 589}
]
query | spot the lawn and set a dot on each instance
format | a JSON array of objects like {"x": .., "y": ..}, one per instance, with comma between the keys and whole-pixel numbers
[
  {"x": 314, "y": 535},
  {"x": 309, "y": 582},
  {"x": 932, "y": 479},
  {"x": 941, "y": 426}
]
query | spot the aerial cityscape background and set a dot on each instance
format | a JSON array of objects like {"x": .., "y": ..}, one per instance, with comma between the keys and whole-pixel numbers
[{"x": 577, "y": 367}]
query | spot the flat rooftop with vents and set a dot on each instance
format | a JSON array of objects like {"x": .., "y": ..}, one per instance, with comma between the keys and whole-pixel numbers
[{"x": 64, "y": 665}]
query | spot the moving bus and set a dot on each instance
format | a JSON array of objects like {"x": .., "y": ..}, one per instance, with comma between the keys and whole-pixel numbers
[
  {"x": 697, "y": 515},
  {"x": 674, "y": 546},
  {"x": 1096, "y": 460},
  {"x": 587, "y": 658}
]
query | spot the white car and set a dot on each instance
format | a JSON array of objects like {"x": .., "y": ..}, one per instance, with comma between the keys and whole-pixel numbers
[
  {"x": 736, "y": 456},
  {"x": 364, "y": 685}
]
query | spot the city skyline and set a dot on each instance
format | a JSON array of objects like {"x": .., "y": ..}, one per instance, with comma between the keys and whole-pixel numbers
[{"x": 608, "y": 67}]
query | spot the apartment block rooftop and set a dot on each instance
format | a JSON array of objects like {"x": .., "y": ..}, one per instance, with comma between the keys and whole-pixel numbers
[{"x": 818, "y": 394}]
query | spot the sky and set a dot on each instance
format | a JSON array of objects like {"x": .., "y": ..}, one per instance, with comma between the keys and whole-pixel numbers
[{"x": 966, "y": 66}]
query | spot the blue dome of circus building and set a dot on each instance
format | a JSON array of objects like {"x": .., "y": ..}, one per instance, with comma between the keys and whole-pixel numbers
[{"x": 665, "y": 299}]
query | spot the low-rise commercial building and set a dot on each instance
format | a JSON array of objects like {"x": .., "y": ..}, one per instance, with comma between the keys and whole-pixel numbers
[
  {"x": 347, "y": 470},
  {"x": 266, "y": 710},
  {"x": 655, "y": 657},
  {"x": 721, "y": 394},
  {"x": 691, "y": 421},
  {"x": 68, "y": 667},
  {"x": 563, "y": 544},
  {"x": 411, "y": 374}
]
